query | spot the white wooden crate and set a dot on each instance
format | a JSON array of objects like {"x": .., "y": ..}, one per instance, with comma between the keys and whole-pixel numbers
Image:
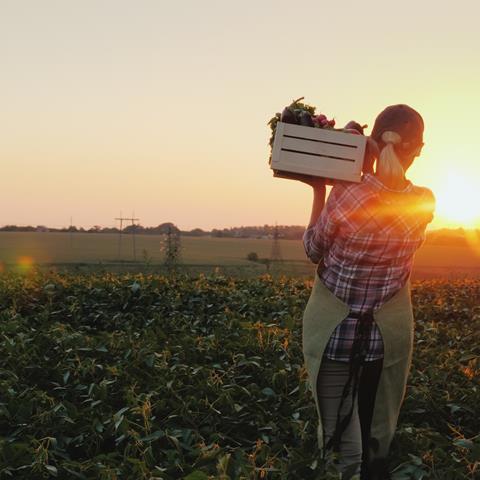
[{"x": 317, "y": 151}]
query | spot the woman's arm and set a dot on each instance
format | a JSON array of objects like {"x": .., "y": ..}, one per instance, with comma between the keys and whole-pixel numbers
[
  {"x": 313, "y": 250},
  {"x": 319, "y": 192}
]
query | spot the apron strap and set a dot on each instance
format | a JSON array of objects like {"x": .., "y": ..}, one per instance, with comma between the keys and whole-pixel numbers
[{"x": 357, "y": 358}]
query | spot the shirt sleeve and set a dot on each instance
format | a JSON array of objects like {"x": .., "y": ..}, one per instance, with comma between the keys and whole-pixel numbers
[
  {"x": 426, "y": 212},
  {"x": 318, "y": 238},
  {"x": 425, "y": 208}
]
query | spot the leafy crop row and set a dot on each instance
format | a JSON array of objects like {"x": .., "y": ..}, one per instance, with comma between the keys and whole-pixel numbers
[{"x": 151, "y": 377}]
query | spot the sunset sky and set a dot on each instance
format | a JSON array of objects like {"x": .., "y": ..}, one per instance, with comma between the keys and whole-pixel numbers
[{"x": 161, "y": 108}]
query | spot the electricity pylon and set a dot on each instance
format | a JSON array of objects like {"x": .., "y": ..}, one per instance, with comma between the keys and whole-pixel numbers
[{"x": 276, "y": 255}]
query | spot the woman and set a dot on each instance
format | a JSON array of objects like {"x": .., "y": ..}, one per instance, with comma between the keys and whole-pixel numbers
[{"x": 358, "y": 322}]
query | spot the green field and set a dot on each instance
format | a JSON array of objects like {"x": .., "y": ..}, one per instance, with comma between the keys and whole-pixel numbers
[
  {"x": 146, "y": 377},
  {"x": 202, "y": 254}
]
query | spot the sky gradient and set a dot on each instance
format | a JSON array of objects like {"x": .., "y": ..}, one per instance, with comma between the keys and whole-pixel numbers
[{"x": 161, "y": 108}]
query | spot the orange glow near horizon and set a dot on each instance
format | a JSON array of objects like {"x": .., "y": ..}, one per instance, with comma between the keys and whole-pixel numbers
[
  {"x": 473, "y": 239},
  {"x": 456, "y": 201}
]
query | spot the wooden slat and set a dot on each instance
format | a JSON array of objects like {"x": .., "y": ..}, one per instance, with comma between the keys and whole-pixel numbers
[
  {"x": 318, "y": 148},
  {"x": 317, "y": 163},
  {"x": 278, "y": 140},
  {"x": 337, "y": 175}
]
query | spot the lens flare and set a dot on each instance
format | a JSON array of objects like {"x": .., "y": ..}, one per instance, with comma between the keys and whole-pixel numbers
[{"x": 25, "y": 263}]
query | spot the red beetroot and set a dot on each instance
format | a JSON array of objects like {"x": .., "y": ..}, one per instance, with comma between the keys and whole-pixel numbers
[{"x": 318, "y": 119}]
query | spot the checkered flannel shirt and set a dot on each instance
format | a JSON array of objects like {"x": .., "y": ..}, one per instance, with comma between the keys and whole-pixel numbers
[{"x": 366, "y": 237}]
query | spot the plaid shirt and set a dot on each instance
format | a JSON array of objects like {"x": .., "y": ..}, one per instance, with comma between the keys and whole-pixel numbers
[{"x": 366, "y": 237}]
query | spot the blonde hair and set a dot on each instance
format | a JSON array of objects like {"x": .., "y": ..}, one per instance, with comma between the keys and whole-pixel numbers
[{"x": 389, "y": 166}]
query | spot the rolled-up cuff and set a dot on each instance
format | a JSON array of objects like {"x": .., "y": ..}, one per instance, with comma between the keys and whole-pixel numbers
[{"x": 312, "y": 251}]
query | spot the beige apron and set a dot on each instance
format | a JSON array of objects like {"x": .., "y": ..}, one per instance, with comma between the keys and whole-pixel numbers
[{"x": 324, "y": 311}]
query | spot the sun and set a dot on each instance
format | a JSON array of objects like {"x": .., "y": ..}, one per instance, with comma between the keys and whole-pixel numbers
[{"x": 458, "y": 201}]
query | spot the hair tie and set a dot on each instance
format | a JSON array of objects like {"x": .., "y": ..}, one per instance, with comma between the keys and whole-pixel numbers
[{"x": 392, "y": 138}]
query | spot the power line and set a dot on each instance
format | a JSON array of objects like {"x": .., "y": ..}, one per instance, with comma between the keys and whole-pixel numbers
[
  {"x": 133, "y": 233},
  {"x": 121, "y": 219},
  {"x": 71, "y": 233}
]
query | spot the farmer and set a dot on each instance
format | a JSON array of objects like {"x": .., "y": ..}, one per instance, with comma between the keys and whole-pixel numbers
[{"x": 358, "y": 322}]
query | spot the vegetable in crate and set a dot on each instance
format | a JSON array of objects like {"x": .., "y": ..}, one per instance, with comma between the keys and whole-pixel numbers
[
  {"x": 306, "y": 119},
  {"x": 290, "y": 114},
  {"x": 297, "y": 113},
  {"x": 320, "y": 120}
]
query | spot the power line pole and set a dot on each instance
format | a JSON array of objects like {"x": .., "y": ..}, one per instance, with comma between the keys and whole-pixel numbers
[
  {"x": 71, "y": 233},
  {"x": 121, "y": 219},
  {"x": 120, "y": 235},
  {"x": 133, "y": 233}
]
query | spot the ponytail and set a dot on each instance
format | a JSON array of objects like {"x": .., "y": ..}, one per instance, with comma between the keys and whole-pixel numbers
[{"x": 389, "y": 168}]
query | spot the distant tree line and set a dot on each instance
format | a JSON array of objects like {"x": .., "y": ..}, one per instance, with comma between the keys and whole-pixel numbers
[
  {"x": 163, "y": 228},
  {"x": 267, "y": 231},
  {"x": 288, "y": 232}
]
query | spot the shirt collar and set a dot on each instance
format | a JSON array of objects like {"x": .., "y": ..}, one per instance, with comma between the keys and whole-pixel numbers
[{"x": 378, "y": 185}]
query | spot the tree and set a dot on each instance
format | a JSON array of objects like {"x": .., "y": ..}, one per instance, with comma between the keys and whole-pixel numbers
[
  {"x": 172, "y": 248},
  {"x": 196, "y": 232},
  {"x": 146, "y": 257},
  {"x": 134, "y": 229},
  {"x": 167, "y": 227},
  {"x": 253, "y": 257}
]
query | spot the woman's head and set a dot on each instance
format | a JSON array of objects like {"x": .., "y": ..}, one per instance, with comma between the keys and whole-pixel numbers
[{"x": 398, "y": 132}]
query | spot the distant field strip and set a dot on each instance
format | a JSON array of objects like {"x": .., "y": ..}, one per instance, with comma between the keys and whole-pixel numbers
[{"x": 61, "y": 248}]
